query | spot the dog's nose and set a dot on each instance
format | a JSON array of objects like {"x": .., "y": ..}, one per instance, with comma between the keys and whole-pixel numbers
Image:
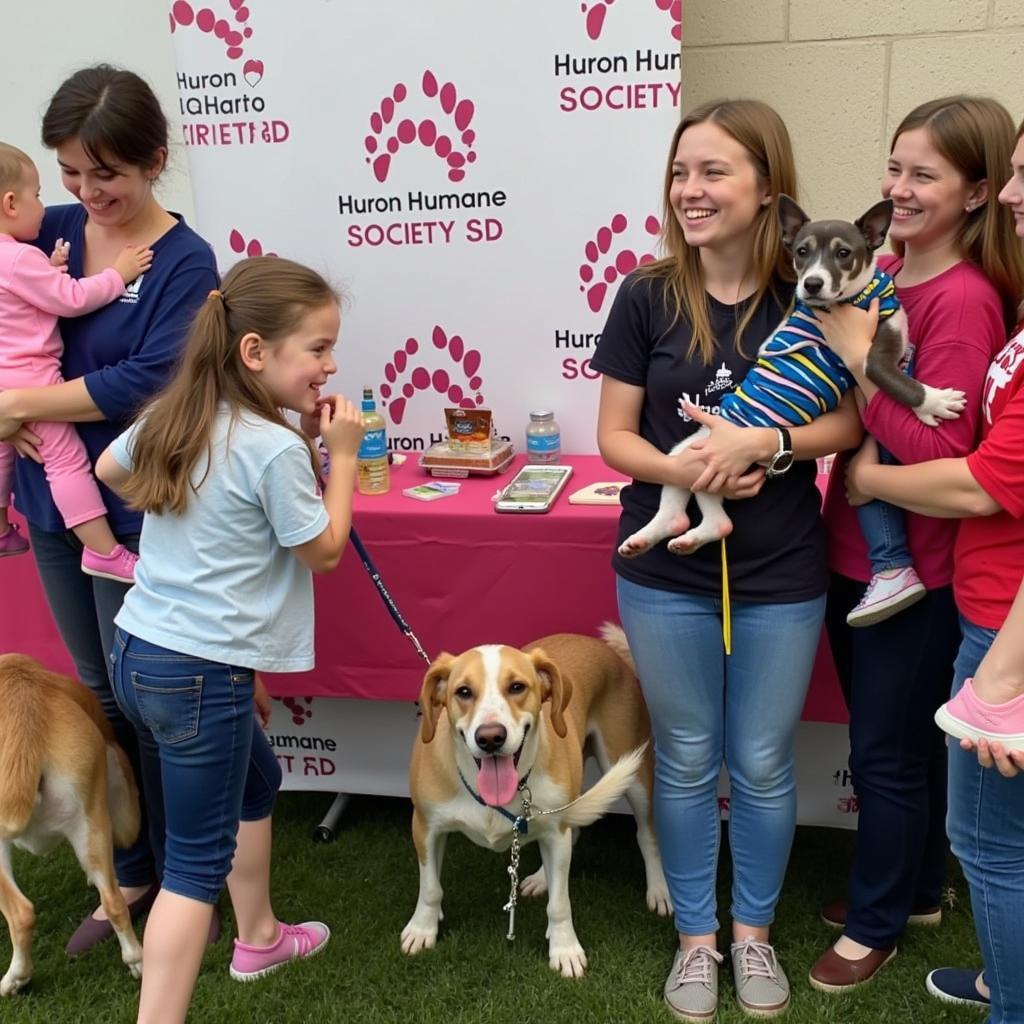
[
  {"x": 813, "y": 285},
  {"x": 491, "y": 737}
]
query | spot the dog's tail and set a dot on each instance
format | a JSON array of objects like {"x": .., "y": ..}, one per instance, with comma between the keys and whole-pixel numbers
[
  {"x": 596, "y": 801},
  {"x": 22, "y": 744},
  {"x": 122, "y": 797},
  {"x": 615, "y": 637}
]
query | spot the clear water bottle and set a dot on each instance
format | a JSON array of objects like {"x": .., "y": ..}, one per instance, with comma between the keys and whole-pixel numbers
[
  {"x": 543, "y": 438},
  {"x": 372, "y": 472}
]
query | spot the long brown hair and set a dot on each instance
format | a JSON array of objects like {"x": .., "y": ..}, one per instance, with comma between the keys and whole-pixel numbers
[
  {"x": 975, "y": 134},
  {"x": 759, "y": 129},
  {"x": 264, "y": 295}
]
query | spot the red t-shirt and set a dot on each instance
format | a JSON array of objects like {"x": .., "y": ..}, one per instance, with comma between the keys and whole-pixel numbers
[
  {"x": 955, "y": 323},
  {"x": 990, "y": 551}
]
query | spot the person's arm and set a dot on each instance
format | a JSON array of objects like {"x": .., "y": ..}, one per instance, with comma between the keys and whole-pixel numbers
[
  {"x": 342, "y": 429},
  {"x": 110, "y": 472},
  {"x": 50, "y": 289},
  {"x": 622, "y": 447}
]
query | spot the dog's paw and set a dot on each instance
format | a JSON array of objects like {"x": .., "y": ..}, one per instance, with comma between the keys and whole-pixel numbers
[
  {"x": 534, "y": 885},
  {"x": 134, "y": 969},
  {"x": 569, "y": 959},
  {"x": 12, "y": 983},
  {"x": 940, "y": 404},
  {"x": 417, "y": 937},
  {"x": 635, "y": 545},
  {"x": 658, "y": 899}
]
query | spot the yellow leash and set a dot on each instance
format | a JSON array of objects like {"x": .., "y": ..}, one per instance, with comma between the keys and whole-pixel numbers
[{"x": 726, "y": 615}]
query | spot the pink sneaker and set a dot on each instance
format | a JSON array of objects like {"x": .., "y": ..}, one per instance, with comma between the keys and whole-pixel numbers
[
  {"x": 294, "y": 941},
  {"x": 119, "y": 565},
  {"x": 888, "y": 593},
  {"x": 12, "y": 542},
  {"x": 967, "y": 717}
]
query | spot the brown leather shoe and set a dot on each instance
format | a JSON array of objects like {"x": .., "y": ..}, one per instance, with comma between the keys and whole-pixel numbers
[
  {"x": 834, "y": 915},
  {"x": 834, "y": 973}
]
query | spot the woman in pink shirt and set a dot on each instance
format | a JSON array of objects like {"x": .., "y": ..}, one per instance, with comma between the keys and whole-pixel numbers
[
  {"x": 34, "y": 292},
  {"x": 959, "y": 274}
]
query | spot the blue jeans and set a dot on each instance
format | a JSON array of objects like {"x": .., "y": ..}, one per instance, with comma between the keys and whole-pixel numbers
[
  {"x": 706, "y": 707},
  {"x": 202, "y": 745},
  {"x": 84, "y": 608},
  {"x": 986, "y": 830},
  {"x": 884, "y": 530}
]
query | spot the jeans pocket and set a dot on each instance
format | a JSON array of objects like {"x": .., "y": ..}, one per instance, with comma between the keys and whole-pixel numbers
[{"x": 168, "y": 705}]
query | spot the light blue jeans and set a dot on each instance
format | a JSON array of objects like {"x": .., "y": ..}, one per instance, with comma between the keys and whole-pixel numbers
[
  {"x": 706, "y": 707},
  {"x": 986, "y": 830}
]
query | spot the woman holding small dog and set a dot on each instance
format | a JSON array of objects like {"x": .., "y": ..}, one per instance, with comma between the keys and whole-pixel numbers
[
  {"x": 111, "y": 141},
  {"x": 959, "y": 275},
  {"x": 687, "y": 328},
  {"x": 235, "y": 519}
]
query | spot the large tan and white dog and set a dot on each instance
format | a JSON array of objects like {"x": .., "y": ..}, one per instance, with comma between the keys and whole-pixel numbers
[
  {"x": 62, "y": 776},
  {"x": 496, "y": 718}
]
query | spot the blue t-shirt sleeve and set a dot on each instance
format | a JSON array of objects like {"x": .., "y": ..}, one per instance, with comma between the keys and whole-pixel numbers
[
  {"x": 290, "y": 496},
  {"x": 119, "y": 391},
  {"x": 122, "y": 447}
]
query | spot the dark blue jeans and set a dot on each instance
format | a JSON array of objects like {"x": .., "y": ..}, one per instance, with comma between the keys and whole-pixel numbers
[
  {"x": 203, "y": 747},
  {"x": 894, "y": 676},
  {"x": 986, "y": 828},
  {"x": 84, "y": 608}
]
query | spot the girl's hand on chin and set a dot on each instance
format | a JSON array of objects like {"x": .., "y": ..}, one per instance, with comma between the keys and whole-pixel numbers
[
  {"x": 309, "y": 423},
  {"x": 341, "y": 426}
]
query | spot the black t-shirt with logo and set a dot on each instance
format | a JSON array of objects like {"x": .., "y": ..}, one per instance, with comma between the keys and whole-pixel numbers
[{"x": 777, "y": 548}]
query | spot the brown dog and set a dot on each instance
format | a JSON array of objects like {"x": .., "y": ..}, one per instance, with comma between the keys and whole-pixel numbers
[
  {"x": 496, "y": 719},
  {"x": 62, "y": 776}
]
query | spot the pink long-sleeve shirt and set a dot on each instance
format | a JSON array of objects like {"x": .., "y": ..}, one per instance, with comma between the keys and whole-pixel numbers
[
  {"x": 955, "y": 322},
  {"x": 33, "y": 294}
]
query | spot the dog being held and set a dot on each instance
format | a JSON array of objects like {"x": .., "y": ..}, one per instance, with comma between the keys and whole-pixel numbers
[
  {"x": 497, "y": 719},
  {"x": 62, "y": 776},
  {"x": 796, "y": 377}
]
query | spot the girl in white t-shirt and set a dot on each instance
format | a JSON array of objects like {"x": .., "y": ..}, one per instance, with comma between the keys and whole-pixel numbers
[{"x": 234, "y": 522}]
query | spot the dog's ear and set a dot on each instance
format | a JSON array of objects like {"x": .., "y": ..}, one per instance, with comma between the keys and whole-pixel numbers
[
  {"x": 791, "y": 219},
  {"x": 434, "y": 693},
  {"x": 874, "y": 225},
  {"x": 554, "y": 687}
]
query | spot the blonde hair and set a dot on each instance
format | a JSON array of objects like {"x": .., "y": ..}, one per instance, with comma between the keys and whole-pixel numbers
[
  {"x": 264, "y": 295},
  {"x": 762, "y": 133},
  {"x": 13, "y": 164},
  {"x": 975, "y": 134}
]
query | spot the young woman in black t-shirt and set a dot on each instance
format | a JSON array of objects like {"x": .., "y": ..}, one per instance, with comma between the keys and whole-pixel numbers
[{"x": 685, "y": 329}]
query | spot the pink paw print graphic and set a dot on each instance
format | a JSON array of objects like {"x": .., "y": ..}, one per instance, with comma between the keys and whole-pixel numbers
[
  {"x": 300, "y": 708},
  {"x": 405, "y": 374},
  {"x": 595, "y": 285},
  {"x": 387, "y": 137},
  {"x": 596, "y": 12},
  {"x": 251, "y": 248},
  {"x": 233, "y": 36}
]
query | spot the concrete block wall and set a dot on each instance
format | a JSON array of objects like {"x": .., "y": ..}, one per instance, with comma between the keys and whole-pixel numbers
[{"x": 843, "y": 74}]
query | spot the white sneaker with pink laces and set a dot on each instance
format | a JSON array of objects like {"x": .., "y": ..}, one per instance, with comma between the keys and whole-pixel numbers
[
  {"x": 294, "y": 942},
  {"x": 888, "y": 592}
]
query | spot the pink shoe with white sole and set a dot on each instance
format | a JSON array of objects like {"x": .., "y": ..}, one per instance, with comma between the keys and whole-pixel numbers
[
  {"x": 294, "y": 942},
  {"x": 118, "y": 566},
  {"x": 967, "y": 717}
]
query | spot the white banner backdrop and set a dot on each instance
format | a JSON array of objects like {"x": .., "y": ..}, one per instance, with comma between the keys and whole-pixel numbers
[{"x": 479, "y": 176}]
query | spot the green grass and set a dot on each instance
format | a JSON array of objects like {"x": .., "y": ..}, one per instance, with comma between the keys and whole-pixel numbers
[{"x": 365, "y": 884}]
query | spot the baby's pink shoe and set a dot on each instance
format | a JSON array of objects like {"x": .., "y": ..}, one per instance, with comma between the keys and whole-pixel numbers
[
  {"x": 294, "y": 941},
  {"x": 968, "y": 717},
  {"x": 12, "y": 542},
  {"x": 119, "y": 565}
]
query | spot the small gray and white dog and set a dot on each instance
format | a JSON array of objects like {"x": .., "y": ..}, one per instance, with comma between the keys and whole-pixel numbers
[{"x": 797, "y": 377}]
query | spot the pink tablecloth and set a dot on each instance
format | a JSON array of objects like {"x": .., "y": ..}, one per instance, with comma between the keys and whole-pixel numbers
[{"x": 461, "y": 574}]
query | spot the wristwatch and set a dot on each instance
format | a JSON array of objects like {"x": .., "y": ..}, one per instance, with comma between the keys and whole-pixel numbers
[{"x": 783, "y": 458}]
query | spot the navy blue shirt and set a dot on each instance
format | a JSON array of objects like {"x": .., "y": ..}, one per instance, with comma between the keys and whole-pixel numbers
[
  {"x": 777, "y": 550},
  {"x": 125, "y": 351}
]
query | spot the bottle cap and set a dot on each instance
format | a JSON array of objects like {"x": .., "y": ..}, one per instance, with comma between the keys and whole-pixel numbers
[
  {"x": 368, "y": 403},
  {"x": 542, "y": 414}
]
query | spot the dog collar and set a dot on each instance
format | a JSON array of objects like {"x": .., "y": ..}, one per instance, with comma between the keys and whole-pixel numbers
[{"x": 519, "y": 824}]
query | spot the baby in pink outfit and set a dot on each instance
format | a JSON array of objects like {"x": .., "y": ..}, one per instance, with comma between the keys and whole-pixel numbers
[{"x": 34, "y": 292}]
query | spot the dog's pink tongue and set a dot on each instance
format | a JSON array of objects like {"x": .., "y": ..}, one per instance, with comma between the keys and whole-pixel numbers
[{"x": 496, "y": 781}]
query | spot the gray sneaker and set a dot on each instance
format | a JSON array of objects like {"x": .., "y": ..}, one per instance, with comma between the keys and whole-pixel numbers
[
  {"x": 762, "y": 988},
  {"x": 691, "y": 989}
]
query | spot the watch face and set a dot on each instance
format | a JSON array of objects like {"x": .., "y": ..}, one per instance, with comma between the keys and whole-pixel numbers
[{"x": 781, "y": 463}]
